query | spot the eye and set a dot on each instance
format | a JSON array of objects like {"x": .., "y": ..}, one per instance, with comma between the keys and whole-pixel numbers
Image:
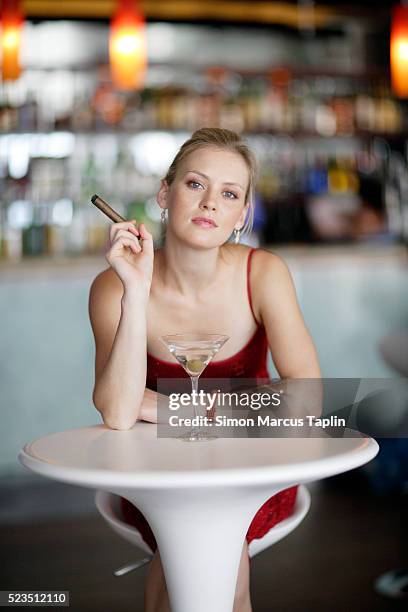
[
  {"x": 231, "y": 195},
  {"x": 194, "y": 184}
]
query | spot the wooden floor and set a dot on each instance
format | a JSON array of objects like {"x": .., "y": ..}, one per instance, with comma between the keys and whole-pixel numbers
[{"x": 327, "y": 565}]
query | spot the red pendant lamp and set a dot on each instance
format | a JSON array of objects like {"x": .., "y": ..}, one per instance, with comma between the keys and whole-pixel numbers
[
  {"x": 399, "y": 50},
  {"x": 11, "y": 27},
  {"x": 127, "y": 46}
]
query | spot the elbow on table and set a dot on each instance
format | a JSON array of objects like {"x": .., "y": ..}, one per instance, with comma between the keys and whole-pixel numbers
[
  {"x": 117, "y": 424},
  {"x": 115, "y": 420}
]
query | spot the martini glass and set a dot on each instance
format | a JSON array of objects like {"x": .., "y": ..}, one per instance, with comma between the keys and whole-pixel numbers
[{"x": 194, "y": 352}]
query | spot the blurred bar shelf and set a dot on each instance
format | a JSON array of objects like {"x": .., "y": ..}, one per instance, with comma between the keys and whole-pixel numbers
[{"x": 297, "y": 135}]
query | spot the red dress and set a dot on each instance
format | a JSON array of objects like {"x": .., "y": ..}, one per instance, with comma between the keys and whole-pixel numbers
[{"x": 249, "y": 362}]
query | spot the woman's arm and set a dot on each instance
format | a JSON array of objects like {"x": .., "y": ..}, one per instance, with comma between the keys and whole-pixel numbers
[
  {"x": 149, "y": 406},
  {"x": 104, "y": 332},
  {"x": 290, "y": 343},
  {"x": 106, "y": 310},
  {"x": 119, "y": 324},
  {"x": 118, "y": 309}
]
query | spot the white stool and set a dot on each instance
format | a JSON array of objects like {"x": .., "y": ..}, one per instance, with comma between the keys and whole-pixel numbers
[{"x": 109, "y": 506}]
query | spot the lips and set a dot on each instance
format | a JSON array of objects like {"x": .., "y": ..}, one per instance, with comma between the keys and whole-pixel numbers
[{"x": 204, "y": 222}]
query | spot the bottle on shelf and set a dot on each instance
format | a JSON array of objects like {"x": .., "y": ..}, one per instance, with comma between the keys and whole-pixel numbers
[{"x": 35, "y": 235}]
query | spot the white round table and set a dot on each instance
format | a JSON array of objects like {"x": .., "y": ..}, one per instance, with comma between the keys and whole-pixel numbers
[{"x": 199, "y": 498}]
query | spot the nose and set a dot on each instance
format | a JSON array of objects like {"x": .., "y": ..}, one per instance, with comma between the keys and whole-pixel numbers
[{"x": 208, "y": 204}]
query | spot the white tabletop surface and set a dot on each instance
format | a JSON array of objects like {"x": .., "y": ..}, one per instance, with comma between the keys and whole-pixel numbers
[{"x": 97, "y": 456}]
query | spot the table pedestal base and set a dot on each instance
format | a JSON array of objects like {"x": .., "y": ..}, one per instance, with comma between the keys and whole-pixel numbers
[{"x": 200, "y": 557}]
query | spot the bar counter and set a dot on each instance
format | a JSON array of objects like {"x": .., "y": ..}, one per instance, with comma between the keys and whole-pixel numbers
[{"x": 339, "y": 255}]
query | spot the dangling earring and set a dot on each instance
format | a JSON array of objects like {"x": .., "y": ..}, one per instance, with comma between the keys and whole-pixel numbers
[
  {"x": 163, "y": 216},
  {"x": 237, "y": 235}
]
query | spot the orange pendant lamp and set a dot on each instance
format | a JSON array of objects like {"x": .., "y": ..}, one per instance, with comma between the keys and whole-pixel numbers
[
  {"x": 127, "y": 46},
  {"x": 11, "y": 27},
  {"x": 399, "y": 51}
]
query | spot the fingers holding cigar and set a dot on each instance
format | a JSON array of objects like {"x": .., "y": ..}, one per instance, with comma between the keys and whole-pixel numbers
[
  {"x": 146, "y": 238},
  {"x": 138, "y": 239},
  {"x": 123, "y": 228},
  {"x": 121, "y": 225}
]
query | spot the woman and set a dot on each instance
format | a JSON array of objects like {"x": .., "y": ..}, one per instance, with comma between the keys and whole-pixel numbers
[{"x": 198, "y": 282}]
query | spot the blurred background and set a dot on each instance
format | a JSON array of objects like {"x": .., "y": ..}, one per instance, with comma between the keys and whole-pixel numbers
[{"x": 96, "y": 96}]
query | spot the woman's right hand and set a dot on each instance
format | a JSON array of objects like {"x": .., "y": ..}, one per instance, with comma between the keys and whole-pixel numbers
[{"x": 132, "y": 260}]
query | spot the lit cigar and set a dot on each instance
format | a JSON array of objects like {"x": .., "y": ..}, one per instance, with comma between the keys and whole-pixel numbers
[{"x": 105, "y": 208}]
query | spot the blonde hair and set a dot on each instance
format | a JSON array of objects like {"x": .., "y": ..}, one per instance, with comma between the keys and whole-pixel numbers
[{"x": 221, "y": 139}]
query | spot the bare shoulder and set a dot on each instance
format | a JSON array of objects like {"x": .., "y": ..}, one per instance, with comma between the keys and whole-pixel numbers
[
  {"x": 105, "y": 282},
  {"x": 261, "y": 257},
  {"x": 270, "y": 264},
  {"x": 105, "y": 294},
  {"x": 266, "y": 266},
  {"x": 271, "y": 280}
]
